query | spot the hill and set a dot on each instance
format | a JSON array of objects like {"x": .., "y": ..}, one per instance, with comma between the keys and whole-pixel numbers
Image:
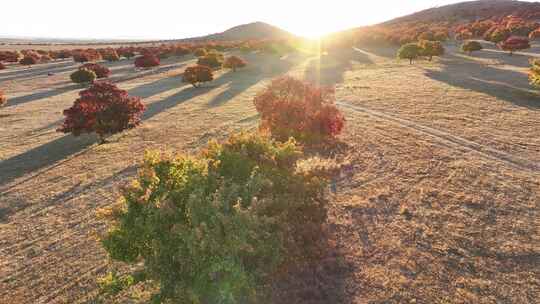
[
  {"x": 472, "y": 11},
  {"x": 254, "y": 30}
]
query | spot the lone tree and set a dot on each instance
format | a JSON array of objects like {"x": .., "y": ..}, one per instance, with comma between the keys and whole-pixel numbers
[
  {"x": 471, "y": 46},
  {"x": 293, "y": 108},
  {"x": 513, "y": 44},
  {"x": 195, "y": 75},
  {"x": 431, "y": 48},
  {"x": 409, "y": 51},
  {"x": 101, "y": 71},
  {"x": 103, "y": 109},
  {"x": 234, "y": 62},
  {"x": 147, "y": 61},
  {"x": 534, "y": 74},
  {"x": 83, "y": 76},
  {"x": 3, "y": 98}
]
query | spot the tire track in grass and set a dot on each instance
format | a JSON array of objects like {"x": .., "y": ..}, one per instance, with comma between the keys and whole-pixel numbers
[{"x": 447, "y": 138}]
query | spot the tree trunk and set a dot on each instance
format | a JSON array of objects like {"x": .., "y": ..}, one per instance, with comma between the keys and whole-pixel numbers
[{"x": 410, "y": 60}]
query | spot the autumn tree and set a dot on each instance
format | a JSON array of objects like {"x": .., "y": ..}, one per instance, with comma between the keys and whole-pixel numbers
[
  {"x": 83, "y": 76},
  {"x": 147, "y": 61},
  {"x": 534, "y": 74},
  {"x": 471, "y": 46},
  {"x": 513, "y": 44},
  {"x": 234, "y": 62},
  {"x": 103, "y": 109},
  {"x": 195, "y": 75},
  {"x": 431, "y": 48},
  {"x": 3, "y": 98},
  {"x": 409, "y": 51}
]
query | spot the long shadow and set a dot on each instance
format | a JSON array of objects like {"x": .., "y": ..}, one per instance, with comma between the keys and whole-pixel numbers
[
  {"x": 41, "y": 95},
  {"x": 386, "y": 51},
  {"x": 517, "y": 59},
  {"x": 240, "y": 81},
  {"x": 507, "y": 85},
  {"x": 154, "y": 88},
  {"x": 330, "y": 69},
  {"x": 35, "y": 69},
  {"x": 42, "y": 156},
  {"x": 33, "y": 73},
  {"x": 178, "y": 98}
]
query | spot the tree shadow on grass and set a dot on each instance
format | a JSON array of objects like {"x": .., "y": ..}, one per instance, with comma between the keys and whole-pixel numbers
[
  {"x": 42, "y": 156},
  {"x": 329, "y": 70},
  {"x": 267, "y": 67},
  {"x": 41, "y": 95},
  {"x": 504, "y": 84},
  {"x": 37, "y": 71}
]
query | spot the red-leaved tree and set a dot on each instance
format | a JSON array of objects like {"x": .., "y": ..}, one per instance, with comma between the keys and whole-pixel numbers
[
  {"x": 513, "y": 44},
  {"x": 292, "y": 108},
  {"x": 29, "y": 60},
  {"x": 197, "y": 74},
  {"x": 101, "y": 71},
  {"x": 147, "y": 61},
  {"x": 103, "y": 109}
]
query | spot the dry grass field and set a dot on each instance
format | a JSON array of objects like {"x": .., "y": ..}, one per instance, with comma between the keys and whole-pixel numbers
[{"x": 443, "y": 206}]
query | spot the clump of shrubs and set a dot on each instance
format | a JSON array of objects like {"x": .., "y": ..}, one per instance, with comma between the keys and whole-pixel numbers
[
  {"x": 3, "y": 98},
  {"x": 513, "y": 44},
  {"x": 292, "y": 108},
  {"x": 195, "y": 75},
  {"x": 111, "y": 56},
  {"x": 534, "y": 74},
  {"x": 471, "y": 46},
  {"x": 103, "y": 109},
  {"x": 100, "y": 70},
  {"x": 409, "y": 51},
  {"x": 213, "y": 60},
  {"x": 217, "y": 227},
  {"x": 431, "y": 48},
  {"x": 83, "y": 76},
  {"x": 234, "y": 62},
  {"x": 86, "y": 56},
  {"x": 147, "y": 61}
]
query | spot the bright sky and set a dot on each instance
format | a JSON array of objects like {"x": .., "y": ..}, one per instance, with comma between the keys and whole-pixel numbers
[{"x": 165, "y": 19}]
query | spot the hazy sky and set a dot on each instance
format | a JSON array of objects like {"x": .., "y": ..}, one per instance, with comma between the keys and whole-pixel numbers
[{"x": 163, "y": 19}]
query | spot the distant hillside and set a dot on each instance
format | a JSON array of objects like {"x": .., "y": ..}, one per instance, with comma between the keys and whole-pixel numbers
[
  {"x": 473, "y": 10},
  {"x": 255, "y": 30}
]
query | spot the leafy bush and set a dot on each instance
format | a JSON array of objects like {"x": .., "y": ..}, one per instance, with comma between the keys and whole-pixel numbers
[
  {"x": 234, "y": 62},
  {"x": 29, "y": 60},
  {"x": 216, "y": 227},
  {"x": 534, "y": 74},
  {"x": 213, "y": 60},
  {"x": 104, "y": 109},
  {"x": 200, "y": 52},
  {"x": 292, "y": 108},
  {"x": 147, "y": 61},
  {"x": 3, "y": 98},
  {"x": 181, "y": 51},
  {"x": 86, "y": 56},
  {"x": 431, "y": 48},
  {"x": 7, "y": 56},
  {"x": 409, "y": 51},
  {"x": 83, "y": 76},
  {"x": 198, "y": 74},
  {"x": 471, "y": 46},
  {"x": 126, "y": 52},
  {"x": 99, "y": 70},
  {"x": 513, "y": 44}
]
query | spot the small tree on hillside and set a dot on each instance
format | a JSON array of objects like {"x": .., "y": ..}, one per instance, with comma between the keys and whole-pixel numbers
[
  {"x": 195, "y": 75},
  {"x": 409, "y": 51},
  {"x": 535, "y": 35},
  {"x": 234, "y": 62},
  {"x": 534, "y": 74},
  {"x": 513, "y": 44},
  {"x": 471, "y": 46},
  {"x": 103, "y": 109},
  {"x": 83, "y": 76},
  {"x": 431, "y": 48}
]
